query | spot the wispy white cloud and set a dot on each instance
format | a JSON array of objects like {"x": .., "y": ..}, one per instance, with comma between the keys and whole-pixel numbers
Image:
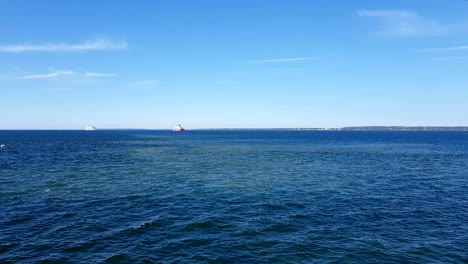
[
  {"x": 96, "y": 74},
  {"x": 97, "y": 44},
  {"x": 456, "y": 48},
  {"x": 280, "y": 60},
  {"x": 68, "y": 73},
  {"x": 401, "y": 23},
  {"x": 51, "y": 75}
]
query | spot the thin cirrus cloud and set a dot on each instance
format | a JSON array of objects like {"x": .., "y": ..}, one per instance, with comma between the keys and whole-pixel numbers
[
  {"x": 402, "y": 23},
  {"x": 51, "y": 75},
  {"x": 97, "y": 74},
  {"x": 65, "y": 73},
  {"x": 89, "y": 45},
  {"x": 456, "y": 48},
  {"x": 447, "y": 50},
  {"x": 280, "y": 60}
]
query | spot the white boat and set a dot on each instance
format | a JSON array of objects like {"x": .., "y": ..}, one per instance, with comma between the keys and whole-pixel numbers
[
  {"x": 178, "y": 128},
  {"x": 90, "y": 128}
]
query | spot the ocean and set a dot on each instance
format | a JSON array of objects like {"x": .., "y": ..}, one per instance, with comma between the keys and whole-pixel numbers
[{"x": 220, "y": 196}]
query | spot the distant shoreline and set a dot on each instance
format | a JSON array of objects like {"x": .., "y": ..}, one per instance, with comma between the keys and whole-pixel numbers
[
  {"x": 395, "y": 128},
  {"x": 358, "y": 128},
  {"x": 351, "y": 128}
]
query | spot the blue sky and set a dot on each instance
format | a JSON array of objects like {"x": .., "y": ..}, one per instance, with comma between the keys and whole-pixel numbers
[{"x": 222, "y": 64}]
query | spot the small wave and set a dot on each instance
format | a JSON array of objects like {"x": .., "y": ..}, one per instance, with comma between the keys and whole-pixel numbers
[
  {"x": 118, "y": 258},
  {"x": 275, "y": 206},
  {"x": 199, "y": 225},
  {"x": 207, "y": 224},
  {"x": 152, "y": 223},
  {"x": 79, "y": 247},
  {"x": 19, "y": 220},
  {"x": 300, "y": 216},
  {"x": 295, "y": 205},
  {"x": 251, "y": 233},
  {"x": 281, "y": 228},
  {"x": 68, "y": 215},
  {"x": 5, "y": 247}
]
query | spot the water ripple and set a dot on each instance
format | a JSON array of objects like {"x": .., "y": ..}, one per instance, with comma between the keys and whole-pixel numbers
[{"x": 233, "y": 196}]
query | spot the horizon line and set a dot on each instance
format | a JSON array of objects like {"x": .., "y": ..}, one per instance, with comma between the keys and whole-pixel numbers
[{"x": 250, "y": 128}]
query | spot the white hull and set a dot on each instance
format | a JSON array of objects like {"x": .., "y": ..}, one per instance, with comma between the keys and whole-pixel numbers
[{"x": 178, "y": 128}]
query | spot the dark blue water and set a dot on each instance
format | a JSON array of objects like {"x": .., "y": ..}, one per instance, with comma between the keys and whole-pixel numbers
[{"x": 233, "y": 196}]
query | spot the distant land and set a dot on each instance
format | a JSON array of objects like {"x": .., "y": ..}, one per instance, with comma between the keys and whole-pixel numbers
[
  {"x": 392, "y": 128},
  {"x": 356, "y": 128}
]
